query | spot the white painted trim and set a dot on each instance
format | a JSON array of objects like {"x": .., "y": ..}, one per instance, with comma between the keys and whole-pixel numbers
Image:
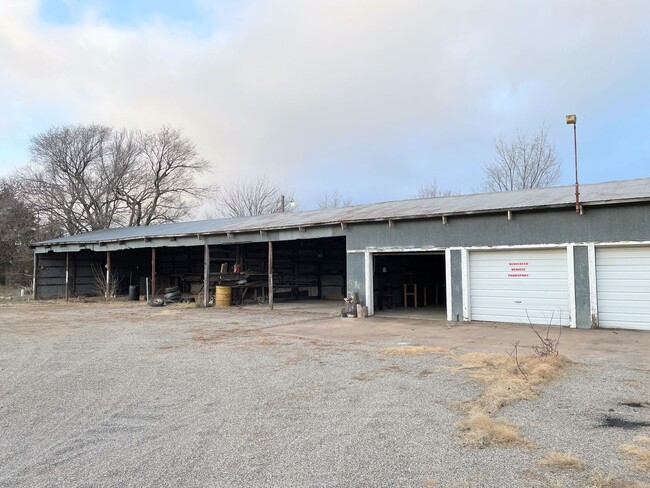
[
  {"x": 370, "y": 296},
  {"x": 593, "y": 287},
  {"x": 464, "y": 264},
  {"x": 448, "y": 284},
  {"x": 570, "y": 265},
  {"x": 500, "y": 247},
  {"x": 396, "y": 250}
]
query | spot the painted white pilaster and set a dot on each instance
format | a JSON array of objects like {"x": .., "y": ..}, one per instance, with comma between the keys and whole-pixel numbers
[
  {"x": 572, "y": 284},
  {"x": 464, "y": 263},
  {"x": 370, "y": 296}
]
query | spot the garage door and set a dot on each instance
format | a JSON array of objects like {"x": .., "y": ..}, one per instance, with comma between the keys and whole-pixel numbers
[
  {"x": 623, "y": 287},
  {"x": 523, "y": 286}
]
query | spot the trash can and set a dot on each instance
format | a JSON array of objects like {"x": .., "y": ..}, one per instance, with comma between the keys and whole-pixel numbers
[{"x": 134, "y": 292}]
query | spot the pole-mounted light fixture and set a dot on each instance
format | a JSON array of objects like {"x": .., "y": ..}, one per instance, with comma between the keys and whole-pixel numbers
[{"x": 571, "y": 120}]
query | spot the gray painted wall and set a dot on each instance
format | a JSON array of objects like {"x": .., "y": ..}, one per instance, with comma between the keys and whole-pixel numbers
[
  {"x": 456, "y": 285},
  {"x": 356, "y": 275},
  {"x": 581, "y": 275},
  {"x": 598, "y": 224}
]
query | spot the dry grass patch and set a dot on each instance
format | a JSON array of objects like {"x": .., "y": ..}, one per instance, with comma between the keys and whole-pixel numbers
[
  {"x": 509, "y": 380},
  {"x": 600, "y": 480},
  {"x": 481, "y": 430},
  {"x": 638, "y": 454},
  {"x": 414, "y": 350},
  {"x": 560, "y": 461}
]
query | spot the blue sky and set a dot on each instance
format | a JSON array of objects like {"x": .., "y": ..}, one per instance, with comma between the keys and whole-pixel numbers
[{"x": 369, "y": 99}]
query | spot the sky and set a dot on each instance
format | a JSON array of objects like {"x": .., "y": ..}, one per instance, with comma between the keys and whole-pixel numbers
[{"x": 367, "y": 98}]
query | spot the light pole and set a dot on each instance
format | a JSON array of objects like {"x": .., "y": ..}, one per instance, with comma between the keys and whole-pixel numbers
[
  {"x": 292, "y": 204},
  {"x": 571, "y": 120}
]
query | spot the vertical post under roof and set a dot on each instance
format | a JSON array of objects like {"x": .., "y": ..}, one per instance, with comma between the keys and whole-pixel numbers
[
  {"x": 206, "y": 275},
  {"x": 108, "y": 275},
  {"x": 153, "y": 273},
  {"x": 270, "y": 275}
]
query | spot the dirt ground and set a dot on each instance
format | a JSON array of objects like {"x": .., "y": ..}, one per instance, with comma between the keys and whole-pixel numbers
[{"x": 121, "y": 394}]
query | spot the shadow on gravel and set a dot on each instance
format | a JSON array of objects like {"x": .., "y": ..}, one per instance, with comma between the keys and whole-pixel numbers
[{"x": 619, "y": 423}]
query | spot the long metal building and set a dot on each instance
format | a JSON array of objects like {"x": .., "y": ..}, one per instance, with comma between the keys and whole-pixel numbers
[{"x": 521, "y": 257}]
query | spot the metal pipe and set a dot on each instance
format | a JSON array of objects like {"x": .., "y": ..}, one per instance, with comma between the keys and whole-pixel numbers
[{"x": 575, "y": 153}]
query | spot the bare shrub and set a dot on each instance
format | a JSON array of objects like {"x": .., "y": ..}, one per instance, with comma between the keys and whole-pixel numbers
[{"x": 105, "y": 288}]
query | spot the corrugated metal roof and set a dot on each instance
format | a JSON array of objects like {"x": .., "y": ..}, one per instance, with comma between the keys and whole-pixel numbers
[{"x": 597, "y": 193}]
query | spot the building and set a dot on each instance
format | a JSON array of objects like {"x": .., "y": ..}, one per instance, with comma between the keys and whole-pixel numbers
[{"x": 522, "y": 257}]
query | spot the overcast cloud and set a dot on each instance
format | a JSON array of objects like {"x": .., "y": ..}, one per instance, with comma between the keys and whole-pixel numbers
[{"x": 368, "y": 98}]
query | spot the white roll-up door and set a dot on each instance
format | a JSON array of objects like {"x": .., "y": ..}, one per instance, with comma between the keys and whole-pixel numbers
[
  {"x": 520, "y": 286},
  {"x": 623, "y": 287}
]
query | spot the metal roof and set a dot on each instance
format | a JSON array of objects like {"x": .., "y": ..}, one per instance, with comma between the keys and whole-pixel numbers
[{"x": 590, "y": 194}]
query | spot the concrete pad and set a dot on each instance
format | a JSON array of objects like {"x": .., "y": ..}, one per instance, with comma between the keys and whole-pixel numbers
[{"x": 632, "y": 346}]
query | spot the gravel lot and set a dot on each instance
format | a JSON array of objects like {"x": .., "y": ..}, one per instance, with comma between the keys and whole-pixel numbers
[{"x": 127, "y": 395}]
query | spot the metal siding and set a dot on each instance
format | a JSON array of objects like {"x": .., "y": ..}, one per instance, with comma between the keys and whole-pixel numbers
[
  {"x": 356, "y": 273},
  {"x": 456, "y": 285},
  {"x": 582, "y": 290},
  {"x": 623, "y": 284},
  {"x": 560, "y": 226},
  {"x": 540, "y": 297}
]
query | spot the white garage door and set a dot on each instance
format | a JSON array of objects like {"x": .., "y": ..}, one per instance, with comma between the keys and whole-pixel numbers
[
  {"x": 623, "y": 287},
  {"x": 523, "y": 286}
]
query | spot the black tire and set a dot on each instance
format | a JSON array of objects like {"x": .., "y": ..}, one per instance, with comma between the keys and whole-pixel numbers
[{"x": 172, "y": 289}]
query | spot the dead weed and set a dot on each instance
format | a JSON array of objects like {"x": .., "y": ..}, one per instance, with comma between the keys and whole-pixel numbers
[
  {"x": 600, "y": 480},
  {"x": 506, "y": 384},
  {"x": 414, "y": 350},
  {"x": 638, "y": 454},
  {"x": 508, "y": 380},
  {"x": 558, "y": 461},
  {"x": 480, "y": 430}
]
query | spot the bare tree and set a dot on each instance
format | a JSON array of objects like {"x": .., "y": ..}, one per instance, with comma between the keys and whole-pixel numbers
[
  {"x": 333, "y": 200},
  {"x": 157, "y": 175},
  {"x": 91, "y": 177},
  {"x": 67, "y": 182},
  {"x": 523, "y": 163},
  {"x": 433, "y": 190},
  {"x": 17, "y": 230},
  {"x": 252, "y": 197}
]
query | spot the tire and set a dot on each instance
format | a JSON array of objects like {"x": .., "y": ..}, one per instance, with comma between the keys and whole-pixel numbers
[{"x": 172, "y": 289}]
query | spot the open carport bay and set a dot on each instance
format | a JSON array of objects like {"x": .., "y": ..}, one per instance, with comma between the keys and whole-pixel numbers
[{"x": 128, "y": 395}]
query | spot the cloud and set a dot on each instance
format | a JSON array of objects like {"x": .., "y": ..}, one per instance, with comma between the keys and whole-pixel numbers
[{"x": 369, "y": 99}]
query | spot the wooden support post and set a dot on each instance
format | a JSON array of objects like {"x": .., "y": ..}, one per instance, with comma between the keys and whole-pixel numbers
[
  {"x": 153, "y": 273},
  {"x": 67, "y": 274},
  {"x": 108, "y": 275},
  {"x": 35, "y": 278},
  {"x": 270, "y": 275},
  {"x": 206, "y": 275}
]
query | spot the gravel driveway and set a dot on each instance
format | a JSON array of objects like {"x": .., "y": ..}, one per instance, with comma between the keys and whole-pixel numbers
[{"x": 128, "y": 395}]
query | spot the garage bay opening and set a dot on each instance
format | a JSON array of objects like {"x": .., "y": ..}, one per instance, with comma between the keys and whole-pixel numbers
[{"x": 410, "y": 283}]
